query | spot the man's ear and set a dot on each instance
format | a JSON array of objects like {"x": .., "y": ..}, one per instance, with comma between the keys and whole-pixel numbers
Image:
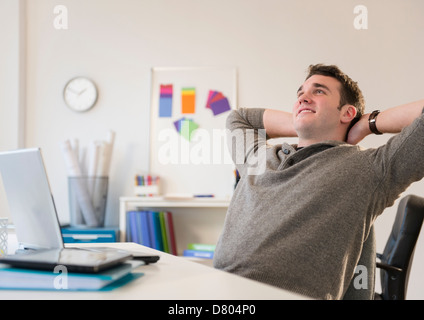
[{"x": 348, "y": 113}]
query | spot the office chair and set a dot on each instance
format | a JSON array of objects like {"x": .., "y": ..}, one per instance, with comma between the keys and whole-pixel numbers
[{"x": 396, "y": 260}]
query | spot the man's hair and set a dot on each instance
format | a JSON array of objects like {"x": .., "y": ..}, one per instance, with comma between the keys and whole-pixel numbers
[{"x": 349, "y": 92}]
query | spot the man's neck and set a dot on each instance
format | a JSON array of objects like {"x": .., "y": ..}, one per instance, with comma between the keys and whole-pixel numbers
[
  {"x": 310, "y": 138},
  {"x": 304, "y": 142}
]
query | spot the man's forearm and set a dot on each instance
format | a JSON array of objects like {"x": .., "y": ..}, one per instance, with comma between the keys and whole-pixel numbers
[
  {"x": 278, "y": 123},
  {"x": 393, "y": 120}
]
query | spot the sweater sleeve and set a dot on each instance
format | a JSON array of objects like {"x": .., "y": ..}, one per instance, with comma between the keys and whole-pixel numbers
[
  {"x": 247, "y": 140},
  {"x": 400, "y": 162}
]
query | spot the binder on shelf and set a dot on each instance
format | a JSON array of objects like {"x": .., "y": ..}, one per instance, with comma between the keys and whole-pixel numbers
[
  {"x": 169, "y": 226},
  {"x": 133, "y": 227},
  {"x": 201, "y": 246},
  {"x": 154, "y": 229},
  {"x": 198, "y": 254},
  {"x": 143, "y": 223},
  {"x": 199, "y": 250},
  {"x": 163, "y": 231}
]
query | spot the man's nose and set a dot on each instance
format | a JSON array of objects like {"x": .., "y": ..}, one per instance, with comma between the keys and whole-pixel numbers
[{"x": 304, "y": 98}]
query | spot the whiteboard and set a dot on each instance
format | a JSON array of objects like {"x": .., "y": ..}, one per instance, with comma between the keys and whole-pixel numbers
[{"x": 197, "y": 160}]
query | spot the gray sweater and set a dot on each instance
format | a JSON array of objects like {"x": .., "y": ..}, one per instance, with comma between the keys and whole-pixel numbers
[{"x": 299, "y": 219}]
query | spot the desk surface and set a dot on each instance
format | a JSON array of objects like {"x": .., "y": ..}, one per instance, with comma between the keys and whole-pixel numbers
[{"x": 171, "y": 278}]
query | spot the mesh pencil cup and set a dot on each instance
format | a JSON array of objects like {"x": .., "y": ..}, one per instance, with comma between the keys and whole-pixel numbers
[{"x": 87, "y": 201}]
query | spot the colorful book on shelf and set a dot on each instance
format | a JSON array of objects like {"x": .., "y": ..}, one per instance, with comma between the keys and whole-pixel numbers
[
  {"x": 198, "y": 254},
  {"x": 201, "y": 246},
  {"x": 163, "y": 231},
  {"x": 170, "y": 233},
  {"x": 154, "y": 229},
  {"x": 142, "y": 228},
  {"x": 132, "y": 224},
  {"x": 199, "y": 250}
]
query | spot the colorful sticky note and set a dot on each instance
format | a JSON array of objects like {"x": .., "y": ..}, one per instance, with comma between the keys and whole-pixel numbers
[
  {"x": 220, "y": 106},
  {"x": 217, "y": 102},
  {"x": 186, "y": 127},
  {"x": 211, "y": 94},
  {"x": 188, "y": 100},
  {"x": 165, "y": 101},
  {"x": 166, "y": 89},
  {"x": 177, "y": 124}
]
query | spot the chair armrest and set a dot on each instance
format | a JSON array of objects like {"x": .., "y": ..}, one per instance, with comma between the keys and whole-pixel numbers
[{"x": 388, "y": 267}]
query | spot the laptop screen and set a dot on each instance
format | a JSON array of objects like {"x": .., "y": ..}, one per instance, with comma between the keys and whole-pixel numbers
[{"x": 30, "y": 201}]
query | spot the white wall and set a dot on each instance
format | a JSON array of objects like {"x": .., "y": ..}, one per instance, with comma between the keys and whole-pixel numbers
[
  {"x": 12, "y": 35},
  {"x": 271, "y": 42},
  {"x": 12, "y": 80}
]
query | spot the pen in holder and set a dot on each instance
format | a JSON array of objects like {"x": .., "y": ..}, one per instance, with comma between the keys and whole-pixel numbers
[
  {"x": 147, "y": 185},
  {"x": 87, "y": 201}
]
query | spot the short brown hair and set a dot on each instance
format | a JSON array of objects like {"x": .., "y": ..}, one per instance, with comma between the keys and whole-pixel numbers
[{"x": 349, "y": 92}]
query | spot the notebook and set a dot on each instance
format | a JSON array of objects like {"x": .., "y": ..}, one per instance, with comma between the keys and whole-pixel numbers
[{"x": 36, "y": 222}]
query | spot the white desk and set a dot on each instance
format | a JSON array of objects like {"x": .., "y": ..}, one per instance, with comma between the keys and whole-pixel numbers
[{"x": 171, "y": 278}]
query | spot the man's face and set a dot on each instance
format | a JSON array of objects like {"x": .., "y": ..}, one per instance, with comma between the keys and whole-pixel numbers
[{"x": 316, "y": 112}]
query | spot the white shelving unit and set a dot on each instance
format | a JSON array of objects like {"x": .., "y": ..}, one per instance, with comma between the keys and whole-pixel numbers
[{"x": 195, "y": 219}]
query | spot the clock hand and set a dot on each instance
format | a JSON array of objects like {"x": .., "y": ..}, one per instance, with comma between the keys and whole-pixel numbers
[{"x": 72, "y": 90}]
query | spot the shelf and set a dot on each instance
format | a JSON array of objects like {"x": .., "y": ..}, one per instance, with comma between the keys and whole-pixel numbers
[
  {"x": 139, "y": 203},
  {"x": 162, "y": 202}
]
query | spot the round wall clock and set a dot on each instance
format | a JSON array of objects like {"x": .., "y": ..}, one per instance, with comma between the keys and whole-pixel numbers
[{"x": 80, "y": 94}]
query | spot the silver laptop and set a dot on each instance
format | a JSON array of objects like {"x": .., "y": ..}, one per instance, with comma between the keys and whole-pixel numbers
[{"x": 33, "y": 211}]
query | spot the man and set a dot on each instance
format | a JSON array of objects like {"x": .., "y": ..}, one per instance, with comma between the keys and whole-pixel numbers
[{"x": 304, "y": 219}]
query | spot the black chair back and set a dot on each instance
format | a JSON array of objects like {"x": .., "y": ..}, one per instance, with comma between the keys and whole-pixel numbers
[{"x": 396, "y": 260}]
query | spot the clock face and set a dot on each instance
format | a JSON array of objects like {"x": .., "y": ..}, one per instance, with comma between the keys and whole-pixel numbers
[{"x": 80, "y": 94}]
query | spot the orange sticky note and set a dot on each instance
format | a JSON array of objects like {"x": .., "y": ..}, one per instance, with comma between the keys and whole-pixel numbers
[{"x": 188, "y": 100}]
